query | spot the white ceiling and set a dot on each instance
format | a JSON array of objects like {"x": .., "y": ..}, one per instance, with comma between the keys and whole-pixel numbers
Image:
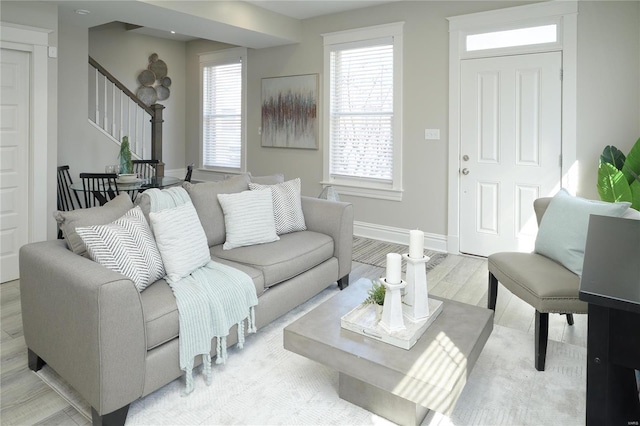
[
  {"x": 303, "y": 9},
  {"x": 189, "y": 18}
]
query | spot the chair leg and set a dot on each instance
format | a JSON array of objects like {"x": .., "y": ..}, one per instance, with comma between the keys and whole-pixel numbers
[
  {"x": 493, "y": 292},
  {"x": 570, "y": 319},
  {"x": 542, "y": 332}
]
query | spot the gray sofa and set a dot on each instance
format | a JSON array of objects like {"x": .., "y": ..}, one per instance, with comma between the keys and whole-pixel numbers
[{"x": 114, "y": 344}]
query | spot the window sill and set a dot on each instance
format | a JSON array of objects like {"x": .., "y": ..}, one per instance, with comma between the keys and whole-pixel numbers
[{"x": 389, "y": 194}]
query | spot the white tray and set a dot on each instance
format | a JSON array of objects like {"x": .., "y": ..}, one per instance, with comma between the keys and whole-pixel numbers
[{"x": 362, "y": 320}]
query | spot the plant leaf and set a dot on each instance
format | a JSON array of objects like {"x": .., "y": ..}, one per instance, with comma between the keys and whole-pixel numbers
[
  {"x": 612, "y": 185},
  {"x": 613, "y": 155},
  {"x": 635, "y": 194},
  {"x": 631, "y": 167}
]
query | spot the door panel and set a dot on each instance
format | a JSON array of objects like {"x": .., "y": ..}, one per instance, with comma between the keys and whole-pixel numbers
[
  {"x": 510, "y": 148},
  {"x": 14, "y": 159}
]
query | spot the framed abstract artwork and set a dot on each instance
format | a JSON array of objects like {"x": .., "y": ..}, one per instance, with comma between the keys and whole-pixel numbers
[{"x": 290, "y": 111}]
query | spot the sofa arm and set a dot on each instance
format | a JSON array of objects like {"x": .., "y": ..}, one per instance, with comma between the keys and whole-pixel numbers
[
  {"x": 85, "y": 321},
  {"x": 336, "y": 220}
]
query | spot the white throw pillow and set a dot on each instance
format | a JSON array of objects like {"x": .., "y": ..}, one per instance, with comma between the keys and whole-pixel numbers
[
  {"x": 563, "y": 230},
  {"x": 125, "y": 245},
  {"x": 248, "y": 218},
  {"x": 181, "y": 240},
  {"x": 287, "y": 205}
]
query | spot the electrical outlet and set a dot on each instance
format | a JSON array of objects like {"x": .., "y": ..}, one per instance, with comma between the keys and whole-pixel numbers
[{"x": 432, "y": 134}]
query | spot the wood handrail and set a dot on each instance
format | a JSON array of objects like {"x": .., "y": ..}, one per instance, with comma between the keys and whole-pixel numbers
[{"x": 120, "y": 86}]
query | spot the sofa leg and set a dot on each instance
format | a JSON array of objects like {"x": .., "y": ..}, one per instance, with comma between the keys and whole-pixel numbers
[
  {"x": 343, "y": 282},
  {"x": 115, "y": 418},
  {"x": 570, "y": 319},
  {"x": 34, "y": 361},
  {"x": 493, "y": 292},
  {"x": 542, "y": 332}
]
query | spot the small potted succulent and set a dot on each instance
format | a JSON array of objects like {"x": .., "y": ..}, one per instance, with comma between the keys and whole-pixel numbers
[{"x": 376, "y": 297}]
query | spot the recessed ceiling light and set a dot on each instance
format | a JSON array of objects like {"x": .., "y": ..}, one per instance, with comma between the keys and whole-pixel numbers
[
  {"x": 173, "y": 32},
  {"x": 82, "y": 11}
]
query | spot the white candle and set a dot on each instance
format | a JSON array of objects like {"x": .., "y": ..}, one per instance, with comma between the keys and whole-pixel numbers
[
  {"x": 416, "y": 244},
  {"x": 394, "y": 266}
]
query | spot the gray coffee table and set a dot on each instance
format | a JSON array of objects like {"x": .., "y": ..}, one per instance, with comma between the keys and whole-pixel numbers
[{"x": 400, "y": 385}]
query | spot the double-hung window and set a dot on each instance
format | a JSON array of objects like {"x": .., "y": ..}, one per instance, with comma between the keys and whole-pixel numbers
[
  {"x": 223, "y": 110},
  {"x": 363, "y": 86}
]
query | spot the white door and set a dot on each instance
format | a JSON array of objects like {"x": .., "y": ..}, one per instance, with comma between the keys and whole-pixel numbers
[
  {"x": 14, "y": 159},
  {"x": 510, "y": 148}
]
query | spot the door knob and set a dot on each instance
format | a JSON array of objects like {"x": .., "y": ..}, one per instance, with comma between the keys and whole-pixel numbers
[{"x": 465, "y": 171}]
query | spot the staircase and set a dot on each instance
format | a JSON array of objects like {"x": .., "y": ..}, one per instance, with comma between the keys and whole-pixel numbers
[{"x": 117, "y": 112}]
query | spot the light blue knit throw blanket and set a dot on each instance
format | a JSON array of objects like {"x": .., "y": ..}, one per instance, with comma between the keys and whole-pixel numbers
[{"x": 210, "y": 301}]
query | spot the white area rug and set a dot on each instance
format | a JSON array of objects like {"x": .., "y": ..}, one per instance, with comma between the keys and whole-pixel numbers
[{"x": 265, "y": 384}]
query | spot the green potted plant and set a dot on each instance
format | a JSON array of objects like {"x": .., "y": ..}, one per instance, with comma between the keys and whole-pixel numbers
[
  {"x": 376, "y": 297},
  {"x": 126, "y": 165},
  {"x": 619, "y": 175}
]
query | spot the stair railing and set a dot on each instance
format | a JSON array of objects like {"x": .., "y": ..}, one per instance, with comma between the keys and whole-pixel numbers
[{"x": 118, "y": 112}]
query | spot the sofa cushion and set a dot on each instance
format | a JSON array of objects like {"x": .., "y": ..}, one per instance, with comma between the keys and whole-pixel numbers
[
  {"x": 204, "y": 197},
  {"x": 287, "y": 207},
  {"x": 125, "y": 245},
  {"x": 161, "y": 312},
  {"x": 69, "y": 221},
  {"x": 280, "y": 260}
]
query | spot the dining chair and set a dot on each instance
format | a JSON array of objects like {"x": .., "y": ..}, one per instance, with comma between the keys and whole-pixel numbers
[
  {"x": 145, "y": 169},
  {"x": 187, "y": 178},
  {"x": 99, "y": 188},
  {"x": 65, "y": 198}
]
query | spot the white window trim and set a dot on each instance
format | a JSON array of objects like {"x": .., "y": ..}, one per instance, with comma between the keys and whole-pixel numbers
[
  {"x": 355, "y": 186},
  {"x": 564, "y": 14},
  {"x": 218, "y": 57}
]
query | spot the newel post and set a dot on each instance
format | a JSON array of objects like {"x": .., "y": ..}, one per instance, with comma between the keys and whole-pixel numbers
[{"x": 156, "y": 137}]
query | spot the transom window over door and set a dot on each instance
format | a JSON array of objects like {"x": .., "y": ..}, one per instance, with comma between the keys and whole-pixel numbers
[
  {"x": 363, "y": 85},
  {"x": 223, "y": 140}
]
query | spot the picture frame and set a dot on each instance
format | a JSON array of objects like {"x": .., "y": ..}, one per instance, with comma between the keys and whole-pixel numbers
[{"x": 290, "y": 112}]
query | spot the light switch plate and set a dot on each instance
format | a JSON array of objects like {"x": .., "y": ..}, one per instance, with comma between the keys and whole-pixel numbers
[{"x": 432, "y": 134}]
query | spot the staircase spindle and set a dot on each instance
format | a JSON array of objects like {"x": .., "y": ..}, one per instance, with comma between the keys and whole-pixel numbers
[
  {"x": 106, "y": 109},
  {"x": 97, "y": 98}
]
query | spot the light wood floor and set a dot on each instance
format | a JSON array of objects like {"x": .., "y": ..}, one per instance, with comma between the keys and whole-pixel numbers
[{"x": 26, "y": 400}]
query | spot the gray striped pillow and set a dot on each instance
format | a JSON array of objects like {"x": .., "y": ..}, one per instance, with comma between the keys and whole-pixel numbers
[
  {"x": 248, "y": 218},
  {"x": 287, "y": 205},
  {"x": 125, "y": 245}
]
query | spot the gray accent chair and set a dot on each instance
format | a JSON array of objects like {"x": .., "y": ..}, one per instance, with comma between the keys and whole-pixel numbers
[{"x": 544, "y": 284}]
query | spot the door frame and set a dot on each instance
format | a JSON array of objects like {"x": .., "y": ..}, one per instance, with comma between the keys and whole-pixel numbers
[
  {"x": 563, "y": 14},
  {"x": 36, "y": 42}
]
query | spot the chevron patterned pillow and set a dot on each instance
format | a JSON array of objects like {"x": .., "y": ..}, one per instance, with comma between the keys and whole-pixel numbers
[
  {"x": 287, "y": 206},
  {"x": 125, "y": 245}
]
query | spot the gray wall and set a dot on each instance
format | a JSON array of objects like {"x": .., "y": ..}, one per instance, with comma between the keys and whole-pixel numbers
[
  {"x": 43, "y": 16},
  {"x": 125, "y": 54},
  {"x": 608, "y": 96},
  {"x": 608, "y": 84},
  {"x": 608, "y": 99}
]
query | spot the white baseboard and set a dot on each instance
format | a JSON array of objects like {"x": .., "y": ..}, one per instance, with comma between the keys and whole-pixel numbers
[{"x": 391, "y": 234}]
